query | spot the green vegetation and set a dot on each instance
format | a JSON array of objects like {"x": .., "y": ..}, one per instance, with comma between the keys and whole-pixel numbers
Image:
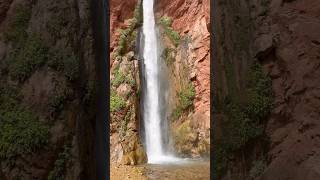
[
  {"x": 257, "y": 169},
  {"x": 58, "y": 172},
  {"x": 166, "y": 21},
  {"x": 25, "y": 60},
  {"x": 57, "y": 102},
  {"x": 28, "y": 53},
  {"x": 65, "y": 62},
  {"x": 128, "y": 36},
  {"x": 182, "y": 133},
  {"x": 243, "y": 121},
  {"x": 116, "y": 102},
  {"x": 20, "y": 130},
  {"x": 125, "y": 121},
  {"x": 168, "y": 56},
  {"x": 174, "y": 36},
  {"x": 21, "y": 133},
  {"x": 119, "y": 78},
  {"x": 186, "y": 96},
  {"x": 16, "y": 32},
  {"x": 71, "y": 68}
]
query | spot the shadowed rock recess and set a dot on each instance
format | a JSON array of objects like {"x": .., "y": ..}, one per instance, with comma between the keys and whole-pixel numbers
[
  {"x": 266, "y": 89},
  {"x": 47, "y": 90}
]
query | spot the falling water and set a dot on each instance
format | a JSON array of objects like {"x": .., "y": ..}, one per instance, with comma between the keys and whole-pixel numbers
[
  {"x": 152, "y": 120},
  {"x": 154, "y": 123}
]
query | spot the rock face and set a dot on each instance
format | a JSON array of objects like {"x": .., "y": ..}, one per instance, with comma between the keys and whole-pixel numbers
[
  {"x": 46, "y": 55},
  {"x": 125, "y": 144},
  {"x": 191, "y": 53},
  {"x": 119, "y": 12},
  {"x": 284, "y": 37},
  {"x": 293, "y": 66},
  {"x": 192, "y": 19},
  {"x": 188, "y": 59}
]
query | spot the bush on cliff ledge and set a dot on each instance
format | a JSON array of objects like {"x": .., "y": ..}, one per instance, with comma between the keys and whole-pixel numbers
[
  {"x": 25, "y": 60},
  {"x": 186, "y": 96},
  {"x": 116, "y": 102},
  {"x": 174, "y": 36},
  {"x": 20, "y": 130},
  {"x": 243, "y": 122}
]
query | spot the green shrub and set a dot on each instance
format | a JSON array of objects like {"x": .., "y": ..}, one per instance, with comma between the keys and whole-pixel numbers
[
  {"x": 65, "y": 62},
  {"x": 128, "y": 36},
  {"x": 16, "y": 32},
  {"x": 21, "y": 133},
  {"x": 56, "y": 60},
  {"x": 177, "y": 112},
  {"x": 124, "y": 123},
  {"x": 257, "y": 169},
  {"x": 20, "y": 130},
  {"x": 119, "y": 78},
  {"x": 71, "y": 68},
  {"x": 58, "y": 173},
  {"x": 168, "y": 56},
  {"x": 9, "y": 97},
  {"x": 138, "y": 15},
  {"x": 186, "y": 96},
  {"x": 166, "y": 21},
  {"x": 28, "y": 59},
  {"x": 243, "y": 121},
  {"x": 131, "y": 81},
  {"x": 57, "y": 102},
  {"x": 174, "y": 36},
  {"x": 116, "y": 102}
]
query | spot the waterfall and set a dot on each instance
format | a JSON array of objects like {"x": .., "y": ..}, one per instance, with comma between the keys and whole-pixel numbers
[
  {"x": 154, "y": 102},
  {"x": 151, "y": 116}
]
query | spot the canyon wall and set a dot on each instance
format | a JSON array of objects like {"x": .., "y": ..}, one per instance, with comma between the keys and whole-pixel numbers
[
  {"x": 283, "y": 38},
  {"x": 184, "y": 31},
  {"x": 190, "y": 78},
  {"x": 47, "y": 85},
  {"x": 125, "y": 140}
]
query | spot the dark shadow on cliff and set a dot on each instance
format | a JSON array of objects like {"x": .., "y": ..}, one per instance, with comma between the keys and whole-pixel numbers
[{"x": 101, "y": 33}]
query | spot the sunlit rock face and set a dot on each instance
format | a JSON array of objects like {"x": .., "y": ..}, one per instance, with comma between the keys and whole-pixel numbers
[
  {"x": 191, "y": 65},
  {"x": 120, "y": 11},
  {"x": 125, "y": 140}
]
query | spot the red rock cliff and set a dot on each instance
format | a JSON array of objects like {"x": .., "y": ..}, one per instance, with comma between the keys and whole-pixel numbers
[{"x": 192, "y": 18}]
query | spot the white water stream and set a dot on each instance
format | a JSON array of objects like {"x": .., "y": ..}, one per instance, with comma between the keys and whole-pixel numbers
[{"x": 151, "y": 107}]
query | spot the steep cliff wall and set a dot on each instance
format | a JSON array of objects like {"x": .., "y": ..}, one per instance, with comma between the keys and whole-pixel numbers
[
  {"x": 188, "y": 45},
  {"x": 283, "y": 37},
  {"x": 184, "y": 30},
  {"x": 125, "y": 140},
  {"x": 47, "y": 75}
]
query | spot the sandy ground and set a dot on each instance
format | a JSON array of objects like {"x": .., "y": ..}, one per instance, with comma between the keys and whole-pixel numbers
[
  {"x": 189, "y": 171},
  {"x": 121, "y": 172}
]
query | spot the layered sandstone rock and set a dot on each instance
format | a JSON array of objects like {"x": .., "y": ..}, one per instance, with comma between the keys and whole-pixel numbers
[
  {"x": 284, "y": 37},
  {"x": 125, "y": 143},
  {"x": 292, "y": 62},
  {"x": 119, "y": 12},
  {"x": 191, "y": 64},
  {"x": 192, "y": 19}
]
